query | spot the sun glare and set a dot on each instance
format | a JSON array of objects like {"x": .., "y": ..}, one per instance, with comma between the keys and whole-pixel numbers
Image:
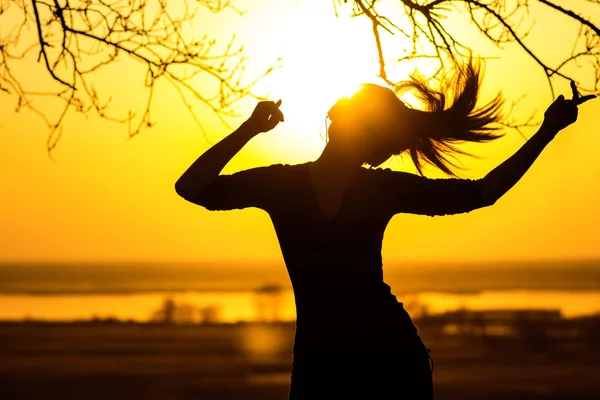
[{"x": 320, "y": 65}]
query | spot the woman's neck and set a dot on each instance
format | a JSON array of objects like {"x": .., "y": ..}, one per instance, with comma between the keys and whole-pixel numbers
[{"x": 334, "y": 169}]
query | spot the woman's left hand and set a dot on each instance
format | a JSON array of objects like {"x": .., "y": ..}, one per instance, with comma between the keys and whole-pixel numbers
[{"x": 563, "y": 112}]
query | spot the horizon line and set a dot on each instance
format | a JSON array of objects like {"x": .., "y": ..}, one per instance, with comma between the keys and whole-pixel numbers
[{"x": 272, "y": 262}]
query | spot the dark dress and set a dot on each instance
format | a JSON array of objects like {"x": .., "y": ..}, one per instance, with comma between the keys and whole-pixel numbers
[{"x": 353, "y": 338}]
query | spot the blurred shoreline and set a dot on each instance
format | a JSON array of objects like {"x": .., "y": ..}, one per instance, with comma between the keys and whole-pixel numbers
[
  {"x": 117, "y": 278},
  {"x": 133, "y": 291},
  {"x": 278, "y": 305}
]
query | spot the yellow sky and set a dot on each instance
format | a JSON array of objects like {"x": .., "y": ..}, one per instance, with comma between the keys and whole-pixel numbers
[{"x": 110, "y": 198}]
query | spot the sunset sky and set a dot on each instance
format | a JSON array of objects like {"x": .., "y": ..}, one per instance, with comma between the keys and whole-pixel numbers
[{"x": 110, "y": 198}]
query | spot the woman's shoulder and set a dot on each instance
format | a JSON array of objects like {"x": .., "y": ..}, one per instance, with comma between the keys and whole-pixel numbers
[
  {"x": 384, "y": 173},
  {"x": 285, "y": 168},
  {"x": 282, "y": 173},
  {"x": 276, "y": 168},
  {"x": 386, "y": 177},
  {"x": 293, "y": 166}
]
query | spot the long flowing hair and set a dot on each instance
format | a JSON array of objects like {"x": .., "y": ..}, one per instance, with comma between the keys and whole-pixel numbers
[{"x": 451, "y": 117}]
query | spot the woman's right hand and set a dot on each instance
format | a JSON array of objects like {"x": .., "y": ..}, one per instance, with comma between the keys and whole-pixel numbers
[
  {"x": 563, "y": 112},
  {"x": 265, "y": 116}
]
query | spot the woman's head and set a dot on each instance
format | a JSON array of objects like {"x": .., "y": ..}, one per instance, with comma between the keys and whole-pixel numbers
[
  {"x": 374, "y": 124},
  {"x": 360, "y": 124}
]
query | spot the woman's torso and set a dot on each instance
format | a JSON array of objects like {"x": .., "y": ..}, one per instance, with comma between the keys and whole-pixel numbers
[{"x": 335, "y": 264}]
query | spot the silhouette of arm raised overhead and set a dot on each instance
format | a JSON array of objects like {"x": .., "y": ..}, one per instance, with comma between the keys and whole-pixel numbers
[
  {"x": 499, "y": 180},
  {"x": 201, "y": 183},
  {"x": 558, "y": 116}
]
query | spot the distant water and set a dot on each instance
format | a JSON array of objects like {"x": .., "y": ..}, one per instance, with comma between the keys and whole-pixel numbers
[
  {"x": 120, "y": 278},
  {"x": 135, "y": 291}
]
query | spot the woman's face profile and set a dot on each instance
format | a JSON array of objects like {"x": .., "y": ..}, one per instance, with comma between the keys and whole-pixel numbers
[
  {"x": 351, "y": 139},
  {"x": 368, "y": 127}
]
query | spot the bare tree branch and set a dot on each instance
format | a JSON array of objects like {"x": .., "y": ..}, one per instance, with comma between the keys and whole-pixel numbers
[
  {"x": 500, "y": 21},
  {"x": 77, "y": 38}
]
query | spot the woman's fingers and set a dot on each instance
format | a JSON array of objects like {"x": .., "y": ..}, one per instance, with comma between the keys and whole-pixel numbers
[
  {"x": 272, "y": 109},
  {"x": 264, "y": 107},
  {"x": 577, "y": 97},
  {"x": 273, "y": 123},
  {"x": 279, "y": 115},
  {"x": 274, "y": 119},
  {"x": 563, "y": 112},
  {"x": 583, "y": 99},
  {"x": 574, "y": 90},
  {"x": 276, "y": 114},
  {"x": 267, "y": 115}
]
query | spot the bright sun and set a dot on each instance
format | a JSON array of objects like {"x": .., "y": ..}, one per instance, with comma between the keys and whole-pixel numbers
[{"x": 327, "y": 61}]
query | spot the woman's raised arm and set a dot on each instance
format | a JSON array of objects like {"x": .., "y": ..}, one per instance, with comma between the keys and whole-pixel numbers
[
  {"x": 559, "y": 115},
  {"x": 208, "y": 166},
  {"x": 409, "y": 193}
]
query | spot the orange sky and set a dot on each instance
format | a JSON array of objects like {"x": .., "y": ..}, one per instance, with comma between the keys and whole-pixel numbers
[{"x": 110, "y": 198}]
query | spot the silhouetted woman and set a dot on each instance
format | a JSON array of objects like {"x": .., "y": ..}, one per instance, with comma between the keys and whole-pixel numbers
[{"x": 353, "y": 338}]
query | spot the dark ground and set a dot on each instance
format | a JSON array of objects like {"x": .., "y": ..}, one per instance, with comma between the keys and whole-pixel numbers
[{"x": 250, "y": 361}]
